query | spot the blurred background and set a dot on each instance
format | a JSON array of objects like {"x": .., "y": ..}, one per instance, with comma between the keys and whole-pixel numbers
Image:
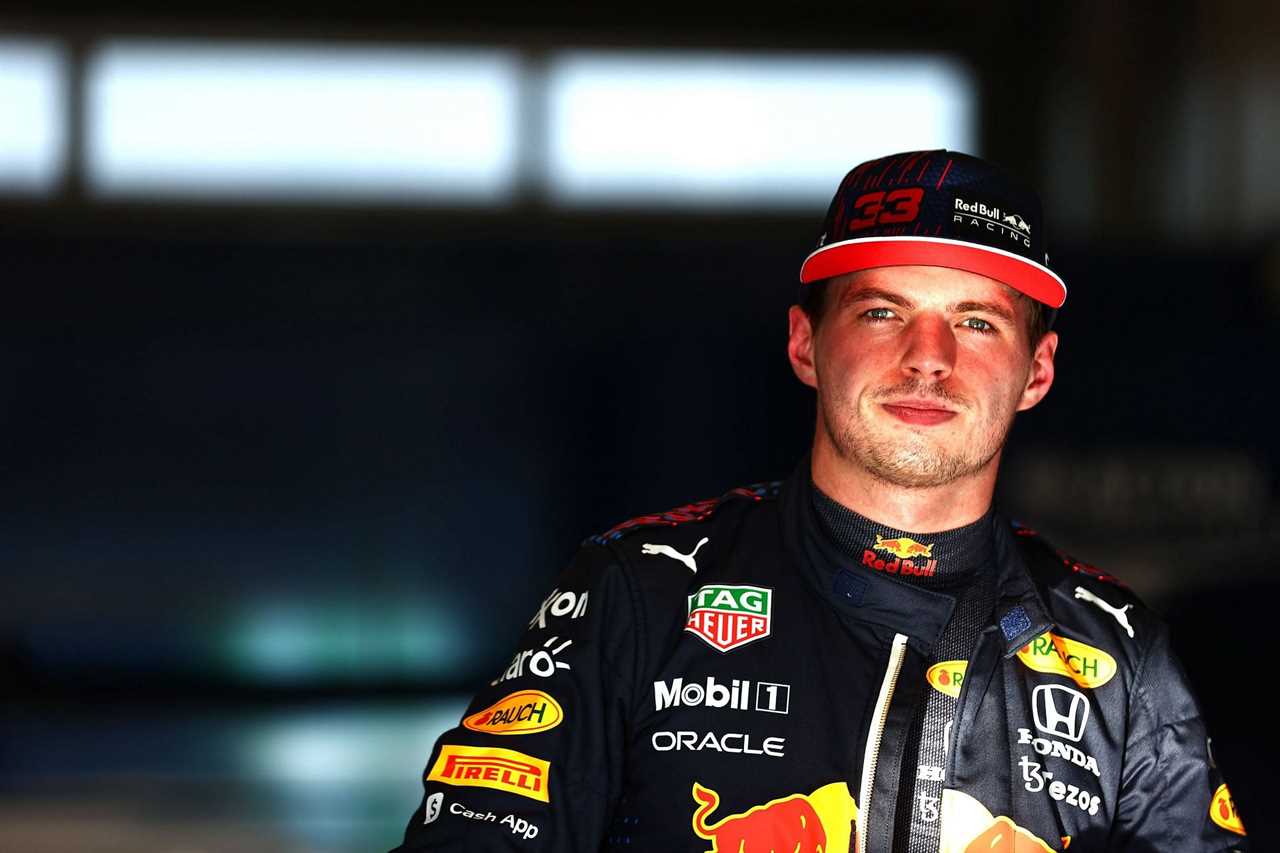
[{"x": 330, "y": 332}]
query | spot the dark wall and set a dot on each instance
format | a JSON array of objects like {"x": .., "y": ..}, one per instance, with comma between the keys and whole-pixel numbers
[{"x": 199, "y": 429}]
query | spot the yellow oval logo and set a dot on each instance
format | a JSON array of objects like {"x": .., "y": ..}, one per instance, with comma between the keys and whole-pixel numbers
[
  {"x": 520, "y": 713},
  {"x": 947, "y": 676},
  {"x": 1083, "y": 664},
  {"x": 1223, "y": 811}
]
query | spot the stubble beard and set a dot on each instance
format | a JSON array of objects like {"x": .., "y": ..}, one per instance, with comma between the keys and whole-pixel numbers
[{"x": 905, "y": 457}]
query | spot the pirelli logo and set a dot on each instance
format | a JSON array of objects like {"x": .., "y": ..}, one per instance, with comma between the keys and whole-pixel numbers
[{"x": 493, "y": 767}]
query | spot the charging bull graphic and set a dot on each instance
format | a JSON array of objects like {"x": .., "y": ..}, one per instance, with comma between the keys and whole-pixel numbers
[
  {"x": 1017, "y": 222},
  {"x": 820, "y": 822},
  {"x": 903, "y": 547},
  {"x": 968, "y": 827},
  {"x": 823, "y": 822}
]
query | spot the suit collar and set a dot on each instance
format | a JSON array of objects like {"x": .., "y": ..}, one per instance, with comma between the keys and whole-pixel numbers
[{"x": 919, "y": 613}]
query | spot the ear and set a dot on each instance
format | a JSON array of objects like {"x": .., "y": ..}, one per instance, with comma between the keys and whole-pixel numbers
[
  {"x": 800, "y": 346},
  {"x": 1040, "y": 377}
]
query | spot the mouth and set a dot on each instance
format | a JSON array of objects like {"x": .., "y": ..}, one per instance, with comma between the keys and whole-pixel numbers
[{"x": 919, "y": 412}]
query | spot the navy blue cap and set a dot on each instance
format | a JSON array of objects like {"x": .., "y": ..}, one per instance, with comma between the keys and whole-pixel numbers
[{"x": 937, "y": 208}]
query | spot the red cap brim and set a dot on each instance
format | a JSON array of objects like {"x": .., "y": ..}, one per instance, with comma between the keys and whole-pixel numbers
[{"x": 1025, "y": 276}]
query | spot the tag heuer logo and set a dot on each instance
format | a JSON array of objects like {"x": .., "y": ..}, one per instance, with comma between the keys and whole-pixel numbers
[{"x": 727, "y": 617}]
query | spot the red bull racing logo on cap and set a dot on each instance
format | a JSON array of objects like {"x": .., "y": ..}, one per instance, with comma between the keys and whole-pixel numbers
[
  {"x": 820, "y": 822},
  {"x": 993, "y": 218},
  {"x": 727, "y": 617}
]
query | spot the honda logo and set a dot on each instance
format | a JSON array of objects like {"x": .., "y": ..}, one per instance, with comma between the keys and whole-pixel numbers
[{"x": 1060, "y": 711}]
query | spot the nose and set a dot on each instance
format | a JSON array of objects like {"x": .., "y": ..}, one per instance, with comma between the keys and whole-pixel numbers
[{"x": 930, "y": 352}]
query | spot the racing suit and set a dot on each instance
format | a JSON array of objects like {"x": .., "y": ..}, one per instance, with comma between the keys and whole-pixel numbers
[{"x": 721, "y": 678}]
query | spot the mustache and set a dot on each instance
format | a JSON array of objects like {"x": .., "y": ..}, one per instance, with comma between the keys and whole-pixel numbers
[{"x": 922, "y": 389}]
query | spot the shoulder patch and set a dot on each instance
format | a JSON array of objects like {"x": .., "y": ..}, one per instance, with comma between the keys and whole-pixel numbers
[
  {"x": 697, "y": 511},
  {"x": 1067, "y": 560}
]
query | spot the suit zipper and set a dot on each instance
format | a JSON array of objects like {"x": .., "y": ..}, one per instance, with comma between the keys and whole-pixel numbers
[{"x": 874, "y": 736}]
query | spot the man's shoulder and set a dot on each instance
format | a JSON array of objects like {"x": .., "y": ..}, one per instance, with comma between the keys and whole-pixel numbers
[
  {"x": 694, "y": 516},
  {"x": 682, "y": 543},
  {"x": 1088, "y": 603},
  {"x": 665, "y": 557},
  {"x": 1052, "y": 565}
]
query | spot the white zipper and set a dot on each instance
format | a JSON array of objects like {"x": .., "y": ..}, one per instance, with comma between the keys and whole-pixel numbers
[{"x": 872, "y": 752}]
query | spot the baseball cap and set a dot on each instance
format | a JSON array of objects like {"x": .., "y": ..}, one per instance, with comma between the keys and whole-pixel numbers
[{"x": 937, "y": 208}]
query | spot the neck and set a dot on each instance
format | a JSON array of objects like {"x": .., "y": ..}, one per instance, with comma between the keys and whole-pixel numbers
[{"x": 923, "y": 508}]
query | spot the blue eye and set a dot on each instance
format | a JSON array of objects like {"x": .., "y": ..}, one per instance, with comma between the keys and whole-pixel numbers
[
  {"x": 879, "y": 314},
  {"x": 980, "y": 325}
]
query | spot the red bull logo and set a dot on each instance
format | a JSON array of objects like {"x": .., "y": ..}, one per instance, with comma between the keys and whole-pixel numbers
[
  {"x": 968, "y": 827},
  {"x": 903, "y": 547},
  {"x": 906, "y": 568},
  {"x": 1223, "y": 811},
  {"x": 991, "y": 217},
  {"x": 1005, "y": 836},
  {"x": 820, "y": 822}
]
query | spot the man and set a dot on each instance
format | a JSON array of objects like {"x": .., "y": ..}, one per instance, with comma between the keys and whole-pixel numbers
[{"x": 867, "y": 656}]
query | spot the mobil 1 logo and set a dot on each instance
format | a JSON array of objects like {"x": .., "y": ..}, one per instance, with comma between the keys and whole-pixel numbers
[{"x": 738, "y": 694}]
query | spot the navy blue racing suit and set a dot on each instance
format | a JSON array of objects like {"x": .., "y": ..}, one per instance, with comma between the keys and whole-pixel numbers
[{"x": 720, "y": 677}]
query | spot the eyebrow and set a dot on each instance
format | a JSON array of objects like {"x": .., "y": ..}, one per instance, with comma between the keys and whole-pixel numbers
[
  {"x": 984, "y": 307},
  {"x": 872, "y": 293}
]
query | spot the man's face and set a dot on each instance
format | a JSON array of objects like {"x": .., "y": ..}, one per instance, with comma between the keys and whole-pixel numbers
[{"x": 919, "y": 371}]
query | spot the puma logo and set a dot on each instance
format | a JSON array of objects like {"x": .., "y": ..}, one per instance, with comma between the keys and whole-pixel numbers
[
  {"x": 1118, "y": 612},
  {"x": 668, "y": 551}
]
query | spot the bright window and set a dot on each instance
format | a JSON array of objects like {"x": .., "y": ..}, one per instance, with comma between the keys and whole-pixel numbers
[
  {"x": 706, "y": 128},
  {"x": 32, "y": 116},
  {"x": 267, "y": 120}
]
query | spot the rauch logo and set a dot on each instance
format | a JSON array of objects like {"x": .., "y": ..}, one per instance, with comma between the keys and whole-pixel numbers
[
  {"x": 727, "y": 617},
  {"x": 946, "y": 677},
  {"x": 1223, "y": 811},
  {"x": 520, "y": 713},
  {"x": 1083, "y": 664}
]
